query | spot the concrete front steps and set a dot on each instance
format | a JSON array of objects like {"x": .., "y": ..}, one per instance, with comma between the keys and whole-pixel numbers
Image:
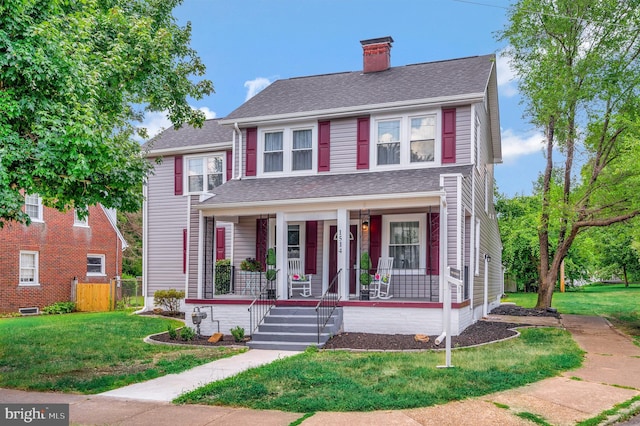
[{"x": 293, "y": 328}]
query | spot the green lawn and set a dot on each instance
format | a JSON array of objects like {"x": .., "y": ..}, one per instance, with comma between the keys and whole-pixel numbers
[
  {"x": 619, "y": 304},
  {"x": 90, "y": 352},
  {"x": 363, "y": 381}
]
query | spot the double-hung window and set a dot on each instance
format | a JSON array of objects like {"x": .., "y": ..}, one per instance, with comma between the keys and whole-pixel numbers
[
  {"x": 28, "y": 268},
  {"x": 95, "y": 264},
  {"x": 408, "y": 140},
  {"x": 205, "y": 173},
  {"x": 77, "y": 221},
  {"x": 33, "y": 207},
  {"x": 388, "y": 142},
  {"x": 273, "y": 152},
  {"x": 404, "y": 239},
  {"x": 288, "y": 150}
]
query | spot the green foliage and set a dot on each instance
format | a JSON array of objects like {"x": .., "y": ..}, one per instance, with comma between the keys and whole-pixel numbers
[
  {"x": 171, "y": 330},
  {"x": 59, "y": 308},
  {"x": 270, "y": 274},
  {"x": 271, "y": 257},
  {"x": 238, "y": 333},
  {"x": 250, "y": 264},
  {"x": 75, "y": 77},
  {"x": 168, "y": 299},
  {"x": 187, "y": 334},
  {"x": 223, "y": 276},
  {"x": 367, "y": 381},
  {"x": 365, "y": 278},
  {"x": 365, "y": 261},
  {"x": 79, "y": 345}
]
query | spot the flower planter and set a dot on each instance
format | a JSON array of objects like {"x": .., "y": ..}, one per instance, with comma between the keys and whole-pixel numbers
[{"x": 364, "y": 294}]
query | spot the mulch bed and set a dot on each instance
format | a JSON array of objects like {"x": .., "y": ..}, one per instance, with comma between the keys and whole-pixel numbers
[{"x": 478, "y": 333}]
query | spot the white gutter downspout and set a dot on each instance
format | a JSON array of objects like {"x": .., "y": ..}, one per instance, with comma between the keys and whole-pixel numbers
[
  {"x": 233, "y": 157},
  {"x": 485, "y": 306},
  {"x": 237, "y": 129}
]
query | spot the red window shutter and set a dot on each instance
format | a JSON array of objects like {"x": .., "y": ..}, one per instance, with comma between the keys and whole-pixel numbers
[
  {"x": 229, "y": 165},
  {"x": 324, "y": 146},
  {"x": 362, "y": 153},
  {"x": 184, "y": 251},
  {"x": 262, "y": 234},
  {"x": 375, "y": 239},
  {"x": 177, "y": 174},
  {"x": 433, "y": 244},
  {"x": 252, "y": 152},
  {"x": 449, "y": 135},
  {"x": 311, "y": 249},
  {"x": 220, "y": 243}
]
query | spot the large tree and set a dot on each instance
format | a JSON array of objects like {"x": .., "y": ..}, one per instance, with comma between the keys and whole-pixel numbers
[
  {"x": 579, "y": 75},
  {"x": 75, "y": 76}
]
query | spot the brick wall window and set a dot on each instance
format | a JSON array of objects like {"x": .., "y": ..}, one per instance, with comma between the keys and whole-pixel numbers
[
  {"x": 80, "y": 222},
  {"x": 33, "y": 207},
  {"x": 95, "y": 265},
  {"x": 28, "y": 268}
]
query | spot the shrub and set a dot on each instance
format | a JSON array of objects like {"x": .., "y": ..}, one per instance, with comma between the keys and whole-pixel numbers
[
  {"x": 59, "y": 308},
  {"x": 173, "y": 334},
  {"x": 365, "y": 265},
  {"x": 169, "y": 299},
  {"x": 223, "y": 276},
  {"x": 187, "y": 334},
  {"x": 238, "y": 333},
  {"x": 250, "y": 264}
]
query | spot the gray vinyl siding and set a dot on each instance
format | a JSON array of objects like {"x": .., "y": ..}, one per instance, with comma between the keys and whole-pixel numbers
[
  {"x": 451, "y": 188},
  {"x": 166, "y": 220},
  {"x": 343, "y": 145},
  {"x": 463, "y": 135},
  {"x": 245, "y": 240}
]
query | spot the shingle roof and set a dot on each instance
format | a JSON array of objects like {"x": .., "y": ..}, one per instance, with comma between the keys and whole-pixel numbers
[
  {"x": 266, "y": 190},
  {"x": 352, "y": 89},
  {"x": 211, "y": 132}
]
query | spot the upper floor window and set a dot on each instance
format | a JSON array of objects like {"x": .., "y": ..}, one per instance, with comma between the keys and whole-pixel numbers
[
  {"x": 28, "y": 268},
  {"x": 288, "y": 150},
  {"x": 77, "y": 221},
  {"x": 33, "y": 207},
  {"x": 95, "y": 264},
  {"x": 406, "y": 140},
  {"x": 205, "y": 173}
]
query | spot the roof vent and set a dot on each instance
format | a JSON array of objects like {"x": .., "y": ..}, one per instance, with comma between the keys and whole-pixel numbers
[
  {"x": 376, "y": 54},
  {"x": 29, "y": 311}
]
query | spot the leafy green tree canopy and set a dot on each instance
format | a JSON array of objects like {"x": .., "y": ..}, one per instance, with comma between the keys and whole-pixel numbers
[{"x": 73, "y": 78}]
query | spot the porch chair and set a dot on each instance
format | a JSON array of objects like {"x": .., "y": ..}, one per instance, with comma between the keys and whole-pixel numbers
[
  {"x": 381, "y": 281},
  {"x": 297, "y": 279}
]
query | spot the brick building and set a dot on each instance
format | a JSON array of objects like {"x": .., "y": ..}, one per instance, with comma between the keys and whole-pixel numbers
[{"x": 39, "y": 262}]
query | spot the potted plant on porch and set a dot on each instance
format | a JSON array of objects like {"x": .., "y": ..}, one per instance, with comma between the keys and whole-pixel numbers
[
  {"x": 250, "y": 270},
  {"x": 365, "y": 277},
  {"x": 271, "y": 273}
]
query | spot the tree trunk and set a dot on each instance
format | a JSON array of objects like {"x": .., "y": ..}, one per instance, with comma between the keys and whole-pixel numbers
[
  {"x": 545, "y": 292},
  {"x": 624, "y": 273}
]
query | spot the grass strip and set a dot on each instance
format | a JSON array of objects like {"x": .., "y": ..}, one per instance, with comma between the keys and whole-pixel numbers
[{"x": 366, "y": 381}]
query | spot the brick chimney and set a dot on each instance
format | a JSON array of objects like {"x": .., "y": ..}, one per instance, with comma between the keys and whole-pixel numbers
[{"x": 376, "y": 53}]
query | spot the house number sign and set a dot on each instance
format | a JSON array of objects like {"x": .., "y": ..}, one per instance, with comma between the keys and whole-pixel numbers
[{"x": 340, "y": 241}]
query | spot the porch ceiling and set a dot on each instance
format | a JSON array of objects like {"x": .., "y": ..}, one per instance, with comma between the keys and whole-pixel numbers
[{"x": 385, "y": 184}]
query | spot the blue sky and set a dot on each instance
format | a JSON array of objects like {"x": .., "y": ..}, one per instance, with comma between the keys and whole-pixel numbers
[{"x": 246, "y": 44}]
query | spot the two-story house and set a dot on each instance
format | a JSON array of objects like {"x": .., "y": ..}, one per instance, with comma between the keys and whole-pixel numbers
[
  {"x": 396, "y": 162},
  {"x": 40, "y": 262}
]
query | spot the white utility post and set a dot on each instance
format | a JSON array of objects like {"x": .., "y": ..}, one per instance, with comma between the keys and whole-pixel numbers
[{"x": 453, "y": 281}]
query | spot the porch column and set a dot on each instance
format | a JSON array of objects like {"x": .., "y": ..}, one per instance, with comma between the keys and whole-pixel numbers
[
  {"x": 281, "y": 256},
  {"x": 343, "y": 253},
  {"x": 200, "y": 253},
  {"x": 444, "y": 261}
]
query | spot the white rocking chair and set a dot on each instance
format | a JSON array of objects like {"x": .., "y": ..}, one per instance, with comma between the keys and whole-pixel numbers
[
  {"x": 297, "y": 279},
  {"x": 381, "y": 281}
]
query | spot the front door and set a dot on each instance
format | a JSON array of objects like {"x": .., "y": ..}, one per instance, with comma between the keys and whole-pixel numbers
[{"x": 333, "y": 257}]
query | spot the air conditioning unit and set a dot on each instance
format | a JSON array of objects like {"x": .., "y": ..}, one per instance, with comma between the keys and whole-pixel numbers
[{"x": 29, "y": 311}]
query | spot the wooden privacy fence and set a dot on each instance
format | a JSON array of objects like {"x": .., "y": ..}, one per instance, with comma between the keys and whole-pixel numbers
[{"x": 96, "y": 297}]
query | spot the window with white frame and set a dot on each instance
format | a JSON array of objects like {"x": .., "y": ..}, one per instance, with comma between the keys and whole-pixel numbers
[
  {"x": 406, "y": 140},
  {"x": 77, "y": 221},
  {"x": 423, "y": 139},
  {"x": 273, "y": 152},
  {"x": 294, "y": 246},
  {"x": 205, "y": 173},
  {"x": 288, "y": 150},
  {"x": 404, "y": 239},
  {"x": 28, "y": 268},
  {"x": 33, "y": 207},
  {"x": 95, "y": 265}
]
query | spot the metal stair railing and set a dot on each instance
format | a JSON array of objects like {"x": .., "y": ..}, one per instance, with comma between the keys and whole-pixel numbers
[
  {"x": 327, "y": 305},
  {"x": 262, "y": 304}
]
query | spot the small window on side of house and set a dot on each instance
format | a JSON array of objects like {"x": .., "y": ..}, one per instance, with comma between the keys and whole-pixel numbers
[
  {"x": 33, "y": 207},
  {"x": 95, "y": 265},
  {"x": 77, "y": 221},
  {"x": 29, "y": 268}
]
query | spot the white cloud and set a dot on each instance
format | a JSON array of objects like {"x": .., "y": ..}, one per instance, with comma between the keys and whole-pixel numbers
[
  {"x": 255, "y": 86},
  {"x": 155, "y": 122},
  {"x": 507, "y": 76},
  {"x": 514, "y": 146}
]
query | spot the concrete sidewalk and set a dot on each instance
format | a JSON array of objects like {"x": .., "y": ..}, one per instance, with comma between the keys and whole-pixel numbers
[{"x": 609, "y": 376}]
